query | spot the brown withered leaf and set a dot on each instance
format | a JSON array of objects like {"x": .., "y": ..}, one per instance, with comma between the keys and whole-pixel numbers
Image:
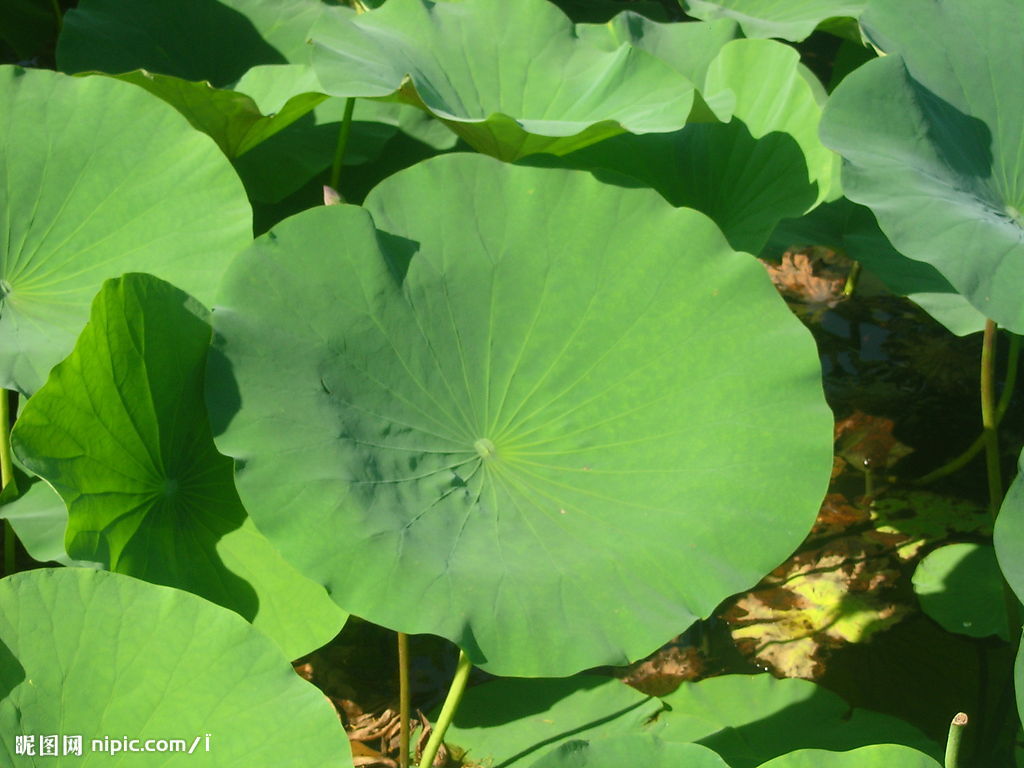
[
  {"x": 665, "y": 670},
  {"x": 800, "y": 276},
  {"x": 867, "y": 442}
]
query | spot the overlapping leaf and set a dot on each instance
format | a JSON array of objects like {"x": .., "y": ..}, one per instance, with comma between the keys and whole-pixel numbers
[
  {"x": 960, "y": 586},
  {"x": 765, "y": 165},
  {"x": 481, "y": 408},
  {"x": 121, "y": 432},
  {"x": 614, "y": 752},
  {"x": 788, "y": 19},
  {"x": 931, "y": 138},
  {"x": 106, "y": 657},
  {"x": 875, "y": 756},
  {"x": 512, "y": 80},
  {"x": 100, "y": 178}
]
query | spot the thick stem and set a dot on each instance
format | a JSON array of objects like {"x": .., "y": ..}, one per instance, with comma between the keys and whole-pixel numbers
[
  {"x": 451, "y": 704},
  {"x": 956, "y": 730},
  {"x": 6, "y": 475},
  {"x": 403, "y": 700},
  {"x": 339, "y": 150},
  {"x": 851, "y": 279},
  {"x": 1004, "y": 403},
  {"x": 988, "y": 418}
]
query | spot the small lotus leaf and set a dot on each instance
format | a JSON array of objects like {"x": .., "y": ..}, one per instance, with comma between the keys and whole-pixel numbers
[
  {"x": 788, "y": 19},
  {"x": 497, "y": 411},
  {"x": 111, "y": 659},
  {"x": 930, "y": 135},
  {"x": 618, "y": 751},
  {"x": 548, "y": 91},
  {"x": 1009, "y": 533},
  {"x": 516, "y": 721},
  {"x": 960, "y": 586},
  {"x": 101, "y": 178},
  {"x": 120, "y": 431},
  {"x": 875, "y": 756}
]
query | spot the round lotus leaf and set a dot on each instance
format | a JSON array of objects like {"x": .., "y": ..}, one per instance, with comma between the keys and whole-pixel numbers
[
  {"x": 788, "y": 19},
  {"x": 960, "y": 586},
  {"x": 1008, "y": 536},
  {"x": 112, "y": 660},
  {"x": 930, "y": 135},
  {"x": 875, "y": 756},
  {"x": 526, "y": 401},
  {"x": 618, "y": 751},
  {"x": 101, "y": 179},
  {"x": 120, "y": 430},
  {"x": 549, "y": 90}
]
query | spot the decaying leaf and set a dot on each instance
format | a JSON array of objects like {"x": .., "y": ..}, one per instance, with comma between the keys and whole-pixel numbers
[
  {"x": 809, "y": 279},
  {"x": 867, "y": 442},
  {"x": 665, "y": 670},
  {"x": 911, "y": 519}
]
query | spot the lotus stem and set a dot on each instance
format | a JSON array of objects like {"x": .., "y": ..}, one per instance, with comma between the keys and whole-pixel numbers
[
  {"x": 451, "y": 704},
  {"x": 403, "y": 700},
  {"x": 1004, "y": 403},
  {"x": 6, "y": 475},
  {"x": 988, "y": 418},
  {"x": 851, "y": 279},
  {"x": 58, "y": 15},
  {"x": 956, "y": 729},
  {"x": 339, "y": 151}
]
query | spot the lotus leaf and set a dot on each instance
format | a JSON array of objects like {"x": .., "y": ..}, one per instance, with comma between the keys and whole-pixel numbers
[
  {"x": 548, "y": 91},
  {"x": 749, "y": 719},
  {"x": 960, "y": 586},
  {"x": 500, "y": 413},
  {"x": 109, "y": 658},
  {"x": 765, "y": 165},
  {"x": 1009, "y": 533},
  {"x": 101, "y": 178},
  {"x": 514, "y": 722},
  {"x": 788, "y": 19},
  {"x": 875, "y": 756},
  {"x": 618, "y": 751},
  {"x": 120, "y": 431},
  {"x": 930, "y": 135}
]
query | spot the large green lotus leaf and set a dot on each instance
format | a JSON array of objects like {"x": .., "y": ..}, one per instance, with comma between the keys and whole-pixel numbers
[
  {"x": 765, "y": 165},
  {"x": 931, "y": 140},
  {"x": 845, "y": 226},
  {"x": 100, "y": 178},
  {"x": 106, "y": 657},
  {"x": 687, "y": 48},
  {"x": 875, "y": 756},
  {"x": 215, "y": 40},
  {"x": 547, "y": 91},
  {"x": 619, "y": 751},
  {"x": 121, "y": 432},
  {"x": 749, "y": 719},
  {"x": 481, "y": 408},
  {"x": 515, "y": 721},
  {"x": 1008, "y": 536},
  {"x": 788, "y": 19},
  {"x": 960, "y": 586}
]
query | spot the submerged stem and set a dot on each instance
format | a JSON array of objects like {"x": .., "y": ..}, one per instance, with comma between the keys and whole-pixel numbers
[
  {"x": 6, "y": 475},
  {"x": 451, "y": 704},
  {"x": 956, "y": 730},
  {"x": 403, "y": 700},
  {"x": 339, "y": 150}
]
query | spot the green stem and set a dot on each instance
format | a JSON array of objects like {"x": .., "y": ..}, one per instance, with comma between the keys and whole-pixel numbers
[
  {"x": 1004, "y": 403},
  {"x": 988, "y": 418},
  {"x": 58, "y": 14},
  {"x": 339, "y": 150},
  {"x": 956, "y": 730},
  {"x": 403, "y": 700},
  {"x": 451, "y": 704},
  {"x": 851, "y": 279},
  {"x": 6, "y": 475}
]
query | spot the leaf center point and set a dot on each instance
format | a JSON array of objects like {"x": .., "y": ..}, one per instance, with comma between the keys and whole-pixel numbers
[{"x": 485, "y": 448}]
